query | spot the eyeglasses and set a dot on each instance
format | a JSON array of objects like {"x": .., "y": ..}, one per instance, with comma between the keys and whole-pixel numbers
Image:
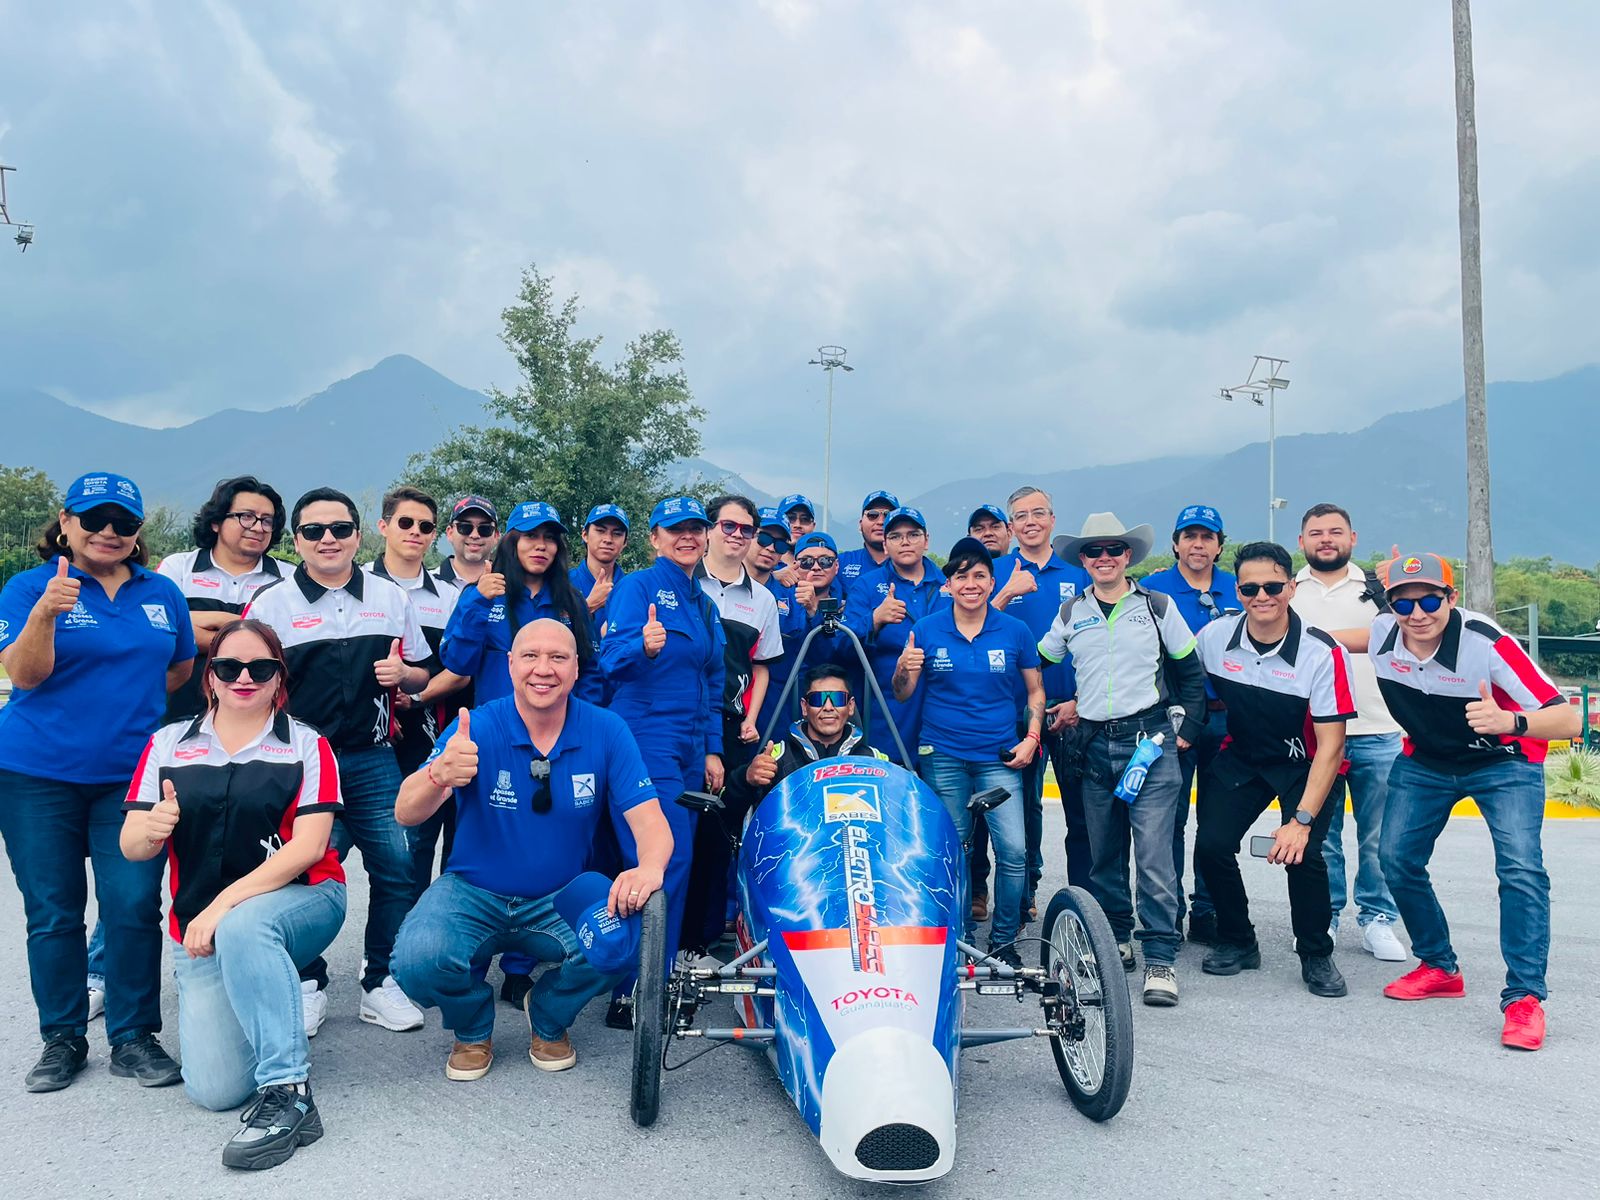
[
  {"x": 97, "y": 519},
  {"x": 426, "y": 527},
  {"x": 315, "y": 530},
  {"x": 1105, "y": 550},
  {"x": 876, "y": 514},
  {"x": 539, "y": 769},
  {"x": 261, "y": 669},
  {"x": 1037, "y": 514},
  {"x": 836, "y": 699},
  {"x": 1405, "y": 607},
  {"x": 1251, "y": 590},
  {"x": 781, "y": 544},
  {"x": 468, "y": 528},
  {"x": 735, "y": 529},
  {"x": 815, "y": 562},
  {"x": 904, "y": 535},
  {"x": 249, "y": 520},
  {"x": 1209, "y": 603}
]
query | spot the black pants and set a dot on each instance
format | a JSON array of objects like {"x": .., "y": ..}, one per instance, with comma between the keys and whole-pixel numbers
[
  {"x": 1070, "y": 780},
  {"x": 1234, "y": 796},
  {"x": 705, "y": 910}
]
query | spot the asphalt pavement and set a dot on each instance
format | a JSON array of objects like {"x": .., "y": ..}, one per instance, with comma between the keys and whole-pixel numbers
[{"x": 1250, "y": 1087}]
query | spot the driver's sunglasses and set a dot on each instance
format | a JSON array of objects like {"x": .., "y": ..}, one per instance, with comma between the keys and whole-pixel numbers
[
  {"x": 249, "y": 520},
  {"x": 314, "y": 531},
  {"x": 1105, "y": 550},
  {"x": 781, "y": 544},
  {"x": 425, "y": 527},
  {"x": 261, "y": 669},
  {"x": 735, "y": 529},
  {"x": 1251, "y": 590},
  {"x": 97, "y": 519},
  {"x": 815, "y": 562},
  {"x": 483, "y": 529},
  {"x": 1428, "y": 604},
  {"x": 838, "y": 699},
  {"x": 539, "y": 769}
]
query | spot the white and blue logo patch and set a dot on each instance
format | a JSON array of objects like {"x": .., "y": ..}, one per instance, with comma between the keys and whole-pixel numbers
[
  {"x": 1068, "y": 590},
  {"x": 156, "y": 614},
  {"x": 667, "y": 599},
  {"x": 503, "y": 795},
  {"x": 1085, "y": 623},
  {"x": 79, "y": 618},
  {"x": 583, "y": 793},
  {"x": 997, "y": 660},
  {"x": 849, "y": 801}
]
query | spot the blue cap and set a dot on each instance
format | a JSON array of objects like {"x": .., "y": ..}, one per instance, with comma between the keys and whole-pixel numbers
[
  {"x": 992, "y": 510},
  {"x": 817, "y": 538},
  {"x": 789, "y": 503},
  {"x": 102, "y": 487},
  {"x": 1202, "y": 515},
  {"x": 610, "y": 943},
  {"x": 675, "y": 510},
  {"x": 530, "y": 514},
  {"x": 601, "y": 511},
  {"x": 906, "y": 514},
  {"x": 893, "y": 500},
  {"x": 772, "y": 518}
]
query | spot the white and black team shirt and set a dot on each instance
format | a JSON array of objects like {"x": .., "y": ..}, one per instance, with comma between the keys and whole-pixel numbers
[
  {"x": 209, "y": 589},
  {"x": 1276, "y": 695},
  {"x": 1429, "y": 698},
  {"x": 433, "y": 600},
  {"x": 331, "y": 639},
  {"x": 750, "y": 620}
]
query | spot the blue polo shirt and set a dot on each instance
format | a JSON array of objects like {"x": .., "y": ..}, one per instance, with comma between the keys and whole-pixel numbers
[
  {"x": 883, "y": 647},
  {"x": 88, "y": 722},
  {"x": 970, "y": 711},
  {"x": 1059, "y": 582},
  {"x": 1224, "y": 593},
  {"x": 853, "y": 564},
  {"x": 502, "y": 845}
]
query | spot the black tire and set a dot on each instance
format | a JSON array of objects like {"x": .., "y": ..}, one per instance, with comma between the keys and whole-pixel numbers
[
  {"x": 650, "y": 1011},
  {"x": 1081, "y": 952}
]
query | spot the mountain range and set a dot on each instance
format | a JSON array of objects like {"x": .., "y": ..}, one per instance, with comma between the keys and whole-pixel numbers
[{"x": 1402, "y": 477}]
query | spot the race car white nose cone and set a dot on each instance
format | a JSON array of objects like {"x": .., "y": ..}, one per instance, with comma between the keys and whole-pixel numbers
[{"x": 888, "y": 1108}]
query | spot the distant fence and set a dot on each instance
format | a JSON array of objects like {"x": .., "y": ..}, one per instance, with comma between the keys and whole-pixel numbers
[{"x": 18, "y": 532}]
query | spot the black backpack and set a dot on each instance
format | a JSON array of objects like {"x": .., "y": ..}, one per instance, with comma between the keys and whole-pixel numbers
[{"x": 1374, "y": 592}]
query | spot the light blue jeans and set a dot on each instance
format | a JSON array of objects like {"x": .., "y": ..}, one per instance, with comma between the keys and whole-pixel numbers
[
  {"x": 1371, "y": 755},
  {"x": 956, "y": 780},
  {"x": 240, "y": 1026}
]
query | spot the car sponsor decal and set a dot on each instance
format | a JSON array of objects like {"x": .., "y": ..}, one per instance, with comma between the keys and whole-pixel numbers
[
  {"x": 851, "y": 802},
  {"x": 866, "y": 951}
]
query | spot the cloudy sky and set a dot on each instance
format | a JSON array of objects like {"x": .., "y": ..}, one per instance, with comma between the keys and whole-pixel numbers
[{"x": 1046, "y": 232}]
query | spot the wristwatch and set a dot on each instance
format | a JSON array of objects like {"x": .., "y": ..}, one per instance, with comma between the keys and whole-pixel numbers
[
  {"x": 1519, "y": 724},
  {"x": 1303, "y": 816}
]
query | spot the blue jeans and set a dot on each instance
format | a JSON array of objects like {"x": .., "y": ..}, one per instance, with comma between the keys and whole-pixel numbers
[
  {"x": 97, "y": 954},
  {"x": 455, "y": 924},
  {"x": 955, "y": 781},
  {"x": 49, "y": 828},
  {"x": 369, "y": 781},
  {"x": 1192, "y": 763},
  {"x": 1371, "y": 755},
  {"x": 1511, "y": 797},
  {"x": 240, "y": 1024}
]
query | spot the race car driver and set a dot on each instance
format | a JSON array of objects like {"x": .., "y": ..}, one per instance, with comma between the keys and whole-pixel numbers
[{"x": 824, "y": 730}]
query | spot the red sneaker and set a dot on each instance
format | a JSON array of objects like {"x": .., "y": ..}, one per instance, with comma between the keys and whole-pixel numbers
[
  {"x": 1524, "y": 1028},
  {"x": 1427, "y": 983}
]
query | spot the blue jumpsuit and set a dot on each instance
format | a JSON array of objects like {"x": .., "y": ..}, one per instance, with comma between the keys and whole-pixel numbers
[
  {"x": 478, "y": 637},
  {"x": 884, "y": 647}
]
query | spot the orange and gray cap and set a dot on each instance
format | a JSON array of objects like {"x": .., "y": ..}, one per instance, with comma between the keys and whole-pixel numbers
[{"x": 1418, "y": 568}]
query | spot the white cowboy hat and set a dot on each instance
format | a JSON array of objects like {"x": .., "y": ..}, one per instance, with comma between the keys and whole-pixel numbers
[{"x": 1105, "y": 527}]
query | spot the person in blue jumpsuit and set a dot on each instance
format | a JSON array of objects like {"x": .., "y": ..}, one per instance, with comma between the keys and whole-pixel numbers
[
  {"x": 605, "y": 537},
  {"x": 662, "y": 657},
  {"x": 529, "y": 578},
  {"x": 880, "y": 609}
]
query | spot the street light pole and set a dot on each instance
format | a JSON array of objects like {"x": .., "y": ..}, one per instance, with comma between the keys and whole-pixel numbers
[
  {"x": 830, "y": 359},
  {"x": 1266, "y": 379}
]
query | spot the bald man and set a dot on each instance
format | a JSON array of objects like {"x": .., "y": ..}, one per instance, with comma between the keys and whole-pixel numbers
[{"x": 533, "y": 773}]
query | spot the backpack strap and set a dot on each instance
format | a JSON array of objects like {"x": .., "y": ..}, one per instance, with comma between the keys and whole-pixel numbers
[{"x": 1374, "y": 591}]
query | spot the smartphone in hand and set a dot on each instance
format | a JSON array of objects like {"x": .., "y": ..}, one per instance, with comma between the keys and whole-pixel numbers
[{"x": 1261, "y": 844}]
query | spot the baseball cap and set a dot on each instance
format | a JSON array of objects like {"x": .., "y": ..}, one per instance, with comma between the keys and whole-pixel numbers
[
  {"x": 468, "y": 503},
  {"x": 905, "y": 514},
  {"x": 601, "y": 511},
  {"x": 971, "y": 547},
  {"x": 772, "y": 518},
  {"x": 610, "y": 943},
  {"x": 1417, "y": 568},
  {"x": 530, "y": 514},
  {"x": 677, "y": 510},
  {"x": 102, "y": 487},
  {"x": 986, "y": 510},
  {"x": 818, "y": 538},
  {"x": 888, "y": 498},
  {"x": 1202, "y": 515},
  {"x": 792, "y": 502}
]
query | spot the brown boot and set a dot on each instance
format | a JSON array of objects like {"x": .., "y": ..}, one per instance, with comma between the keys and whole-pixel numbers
[
  {"x": 980, "y": 906},
  {"x": 469, "y": 1060}
]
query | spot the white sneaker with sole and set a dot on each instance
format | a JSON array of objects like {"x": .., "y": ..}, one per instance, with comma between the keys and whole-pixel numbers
[
  {"x": 1380, "y": 942},
  {"x": 1160, "y": 985},
  {"x": 97, "y": 997},
  {"x": 387, "y": 1006},
  {"x": 313, "y": 1006}
]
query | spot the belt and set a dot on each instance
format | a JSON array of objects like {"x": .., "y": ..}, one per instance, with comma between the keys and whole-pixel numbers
[{"x": 1156, "y": 714}]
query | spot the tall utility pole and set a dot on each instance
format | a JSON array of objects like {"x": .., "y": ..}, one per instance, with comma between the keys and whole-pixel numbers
[
  {"x": 1479, "y": 592},
  {"x": 1266, "y": 377},
  {"x": 830, "y": 359}
]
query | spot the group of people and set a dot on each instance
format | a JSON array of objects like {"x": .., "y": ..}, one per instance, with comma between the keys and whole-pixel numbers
[{"x": 528, "y": 714}]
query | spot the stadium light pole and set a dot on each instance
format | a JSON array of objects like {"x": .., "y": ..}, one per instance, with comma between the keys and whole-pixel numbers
[
  {"x": 830, "y": 359},
  {"x": 1266, "y": 379}
]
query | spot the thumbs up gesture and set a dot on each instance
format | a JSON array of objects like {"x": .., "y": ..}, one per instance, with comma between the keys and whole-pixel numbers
[
  {"x": 60, "y": 594},
  {"x": 601, "y": 591},
  {"x": 763, "y": 768},
  {"x": 655, "y": 634},
  {"x": 911, "y": 658},
  {"x": 805, "y": 595},
  {"x": 161, "y": 820},
  {"x": 889, "y": 612},
  {"x": 391, "y": 670},
  {"x": 491, "y": 585},
  {"x": 457, "y": 764},
  {"x": 1023, "y": 582},
  {"x": 1486, "y": 716}
]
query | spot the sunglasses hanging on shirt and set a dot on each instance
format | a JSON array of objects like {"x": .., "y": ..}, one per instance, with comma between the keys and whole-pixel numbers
[{"x": 539, "y": 769}]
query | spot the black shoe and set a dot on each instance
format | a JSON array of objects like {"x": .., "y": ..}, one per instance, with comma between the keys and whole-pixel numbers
[
  {"x": 1007, "y": 955},
  {"x": 1230, "y": 960},
  {"x": 1322, "y": 977},
  {"x": 63, "y": 1058},
  {"x": 514, "y": 988},
  {"x": 145, "y": 1061},
  {"x": 280, "y": 1120},
  {"x": 619, "y": 1015},
  {"x": 1203, "y": 928},
  {"x": 1125, "y": 952}
]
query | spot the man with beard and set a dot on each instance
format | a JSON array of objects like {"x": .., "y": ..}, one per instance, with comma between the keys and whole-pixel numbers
[{"x": 474, "y": 532}]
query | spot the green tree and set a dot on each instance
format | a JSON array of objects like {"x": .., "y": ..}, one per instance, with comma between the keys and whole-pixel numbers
[
  {"x": 576, "y": 432},
  {"x": 28, "y": 500}
]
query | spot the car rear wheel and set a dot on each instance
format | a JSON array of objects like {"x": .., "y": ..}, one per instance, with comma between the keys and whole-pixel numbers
[
  {"x": 1094, "y": 1047},
  {"x": 650, "y": 1011}
]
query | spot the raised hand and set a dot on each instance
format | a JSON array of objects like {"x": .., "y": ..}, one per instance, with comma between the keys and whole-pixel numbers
[
  {"x": 457, "y": 764},
  {"x": 601, "y": 591},
  {"x": 60, "y": 594},
  {"x": 655, "y": 635},
  {"x": 161, "y": 820},
  {"x": 763, "y": 768},
  {"x": 890, "y": 611},
  {"x": 491, "y": 585},
  {"x": 1022, "y": 582},
  {"x": 805, "y": 595},
  {"x": 911, "y": 658},
  {"x": 1486, "y": 716},
  {"x": 392, "y": 669}
]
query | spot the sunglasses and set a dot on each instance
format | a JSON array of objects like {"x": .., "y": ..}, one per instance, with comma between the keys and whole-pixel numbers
[
  {"x": 735, "y": 529},
  {"x": 261, "y": 669},
  {"x": 876, "y": 514},
  {"x": 539, "y": 769},
  {"x": 407, "y": 522},
  {"x": 249, "y": 520},
  {"x": 1209, "y": 603},
  {"x": 815, "y": 562},
  {"x": 781, "y": 544},
  {"x": 1428, "y": 604},
  {"x": 838, "y": 699},
  {"x": 1251, "y": 590},
  {"x": 97, "y": 519},
  {"x": 315, "y": 530},
  {"x": 1105, "y": 550},
  {"x": 468, "y": 528}
]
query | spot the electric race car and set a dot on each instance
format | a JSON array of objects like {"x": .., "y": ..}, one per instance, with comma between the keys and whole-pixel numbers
[{"x": 852, "y": 975}]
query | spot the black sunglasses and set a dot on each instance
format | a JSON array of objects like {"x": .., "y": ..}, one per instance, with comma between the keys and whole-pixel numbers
[
  {"x": 1105, "y": 550},
  {"x": 408, "y": 522},
  {"x": 539, "y": 769},
  {"x": 481, "y": 528},
  {"x": 837, "y": 698},
  {"x": 1428, "y": 604},
  {"x": 1209, "y": 603},
  {"x": 781, "y": 544},
  {"x": 261, "y": 669},
  {"x": 314, "y": 531},
  {"x": 815, "y": 562},
  {"x": 97, "y": 519},
  {"x": 1251, "y": 590}
]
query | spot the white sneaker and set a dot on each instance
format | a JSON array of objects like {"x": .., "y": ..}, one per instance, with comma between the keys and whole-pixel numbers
[
  {"x": 313, "y": 1006},
  {"x": 388, "y": 1006},
  {"x": 97, "y": 997},
  {"x": 1380, "y": 942}
]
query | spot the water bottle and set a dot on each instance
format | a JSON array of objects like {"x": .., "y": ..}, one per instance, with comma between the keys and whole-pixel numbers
[{"x": 1139, "y": 766}]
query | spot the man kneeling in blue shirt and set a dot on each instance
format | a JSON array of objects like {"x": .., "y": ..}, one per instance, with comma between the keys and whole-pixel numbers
[{"x": 552, "y": 768}]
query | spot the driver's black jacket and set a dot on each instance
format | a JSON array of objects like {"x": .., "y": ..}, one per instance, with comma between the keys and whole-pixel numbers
[{"x": 797, "y": 750}]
